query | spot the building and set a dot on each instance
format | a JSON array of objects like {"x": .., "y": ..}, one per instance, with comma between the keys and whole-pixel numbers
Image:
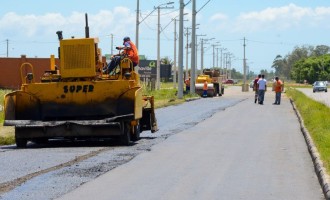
[{"x": 11, "y": 74}]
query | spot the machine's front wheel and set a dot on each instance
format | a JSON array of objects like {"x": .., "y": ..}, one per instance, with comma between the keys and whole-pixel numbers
[{"x": 125, "y": 133}]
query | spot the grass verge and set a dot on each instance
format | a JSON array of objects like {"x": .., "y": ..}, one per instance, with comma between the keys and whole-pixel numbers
[{"x": 316, "y": 120}]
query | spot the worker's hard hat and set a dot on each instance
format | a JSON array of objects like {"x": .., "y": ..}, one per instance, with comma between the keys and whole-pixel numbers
[{"x": 126, "y": 39}]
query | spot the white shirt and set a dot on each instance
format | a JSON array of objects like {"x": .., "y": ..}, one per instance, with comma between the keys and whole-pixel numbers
[{"x": 262, "y": 84}]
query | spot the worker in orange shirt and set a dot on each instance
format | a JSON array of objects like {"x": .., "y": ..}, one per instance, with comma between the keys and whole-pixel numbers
[
  {"x": 205, "y": 89},
  {"x": 278, "y": 88},
  {"x": 129, "y": 50},
  {"x": 187, "y": 82}
]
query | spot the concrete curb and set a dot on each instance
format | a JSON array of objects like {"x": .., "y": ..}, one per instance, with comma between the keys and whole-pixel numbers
[
  {"x": 192, "y": 99},
  {"x": 318, "y": 164}
]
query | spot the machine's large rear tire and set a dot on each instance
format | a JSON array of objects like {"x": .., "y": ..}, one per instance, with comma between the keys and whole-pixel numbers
[
  {"x": 21, "y": 142},
  {"x": 125, "y": 133},
  {"x": 135, "y": 133}
]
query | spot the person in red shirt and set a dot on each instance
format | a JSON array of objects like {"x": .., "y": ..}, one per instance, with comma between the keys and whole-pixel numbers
[
  {"x": 278, "y": 88},
  {"x": 255, "y": 88},
  {"x": 129, "y": 50}
]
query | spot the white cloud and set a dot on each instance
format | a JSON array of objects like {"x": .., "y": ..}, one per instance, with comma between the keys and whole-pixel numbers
[
  {"x": 219, "y": 16},
  {"x": 119, "y": 21},
  {"x": 219, "y": 21},
  {"x": 276, "y": 18}
]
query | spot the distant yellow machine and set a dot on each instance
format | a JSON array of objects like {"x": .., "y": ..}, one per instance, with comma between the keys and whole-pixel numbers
[
  {"x": 78, "y": 101},
  {"x": 214, "y": 80}
]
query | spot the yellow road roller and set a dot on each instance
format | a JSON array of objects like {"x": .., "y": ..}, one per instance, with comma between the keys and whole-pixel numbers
[
  {"x": 214, "y": 80},
  {"x": 78, "y": 101}
]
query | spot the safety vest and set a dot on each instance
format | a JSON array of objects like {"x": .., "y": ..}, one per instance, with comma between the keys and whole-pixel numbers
[
  {"x": 132, "y": 53},
  {"x": 205, "y": 85}
]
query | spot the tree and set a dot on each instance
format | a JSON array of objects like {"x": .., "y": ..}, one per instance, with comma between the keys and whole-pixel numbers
[
  {"x": 280, "y": 64},
  {"x": 320, "y": 50},
  {"x": 166, "y": 61}
]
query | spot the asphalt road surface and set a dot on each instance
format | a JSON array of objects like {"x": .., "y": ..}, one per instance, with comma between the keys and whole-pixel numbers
[
  {"x": 52, "y": 170},
  {"x": 246, "y": 151}
]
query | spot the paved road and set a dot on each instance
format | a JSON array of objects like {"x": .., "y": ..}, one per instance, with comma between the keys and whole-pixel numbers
[
  {"x": 247, "y": 151},
  {"x": 50, "y": 171},
  {"x": 323, "y": 97}
]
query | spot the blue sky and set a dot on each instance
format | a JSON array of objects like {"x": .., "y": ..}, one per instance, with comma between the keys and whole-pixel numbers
[{"x": 271, "y": 27}]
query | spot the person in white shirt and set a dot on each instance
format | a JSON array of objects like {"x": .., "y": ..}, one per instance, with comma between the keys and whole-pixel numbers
[{"x": 262, "y": 83}]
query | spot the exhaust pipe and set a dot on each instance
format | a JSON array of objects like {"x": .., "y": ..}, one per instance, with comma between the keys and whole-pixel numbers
[{"x": 86, "y": 27}]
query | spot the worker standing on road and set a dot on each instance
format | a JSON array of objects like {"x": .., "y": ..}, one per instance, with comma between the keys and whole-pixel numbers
[
  {"x": 278, "y": 88},
  {"x": 255, "y": 88},
  {"x": 262, "y": 86},
  {"x": 187, "y": 82},
  {"x": 205, "y": 89}
]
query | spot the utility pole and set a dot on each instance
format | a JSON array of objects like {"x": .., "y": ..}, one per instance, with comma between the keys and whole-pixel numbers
[
  {"x": 202, "y": 52},
  {"x": 158, "y": 52},
  {"x": 175, "y": 39},
  {"x": 137, "y": 24},
  {"x": 193, "y": 48},
  {"x": 214, "y": 45},
  {"x": 187, "y": 54},
  {"x": 180, "y": 64},
  {"x": 229, "y": 64},
  {"x": 7, "y": 47},
  {"x": 217, "y": 56},
  {"x": 197, "y": 49},
  {"x": 158, "y": 43},
  {"x": 221, "y": 60},
  {"x": 111, "y": 44},
  {"x": 226, "y": 71},
  {"x": 244, "y": 68}
]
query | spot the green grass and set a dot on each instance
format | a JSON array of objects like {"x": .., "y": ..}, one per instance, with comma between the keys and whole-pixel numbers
[
  {"x": 7, "y": 139},
  {"x": 167, "y": 95},
  {"x": 316, "y": 120}
]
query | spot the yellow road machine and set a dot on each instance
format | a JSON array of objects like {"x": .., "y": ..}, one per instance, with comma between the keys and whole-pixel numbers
[
  {"x": 78, "y": 100},
  {"x": 214, "y": 80}
]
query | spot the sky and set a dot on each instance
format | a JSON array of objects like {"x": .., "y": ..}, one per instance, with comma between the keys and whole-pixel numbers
[{"x": 271, "y": 28}]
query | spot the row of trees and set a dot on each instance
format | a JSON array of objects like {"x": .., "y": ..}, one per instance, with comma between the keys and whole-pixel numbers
[{"x": 305, "y": 63}]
